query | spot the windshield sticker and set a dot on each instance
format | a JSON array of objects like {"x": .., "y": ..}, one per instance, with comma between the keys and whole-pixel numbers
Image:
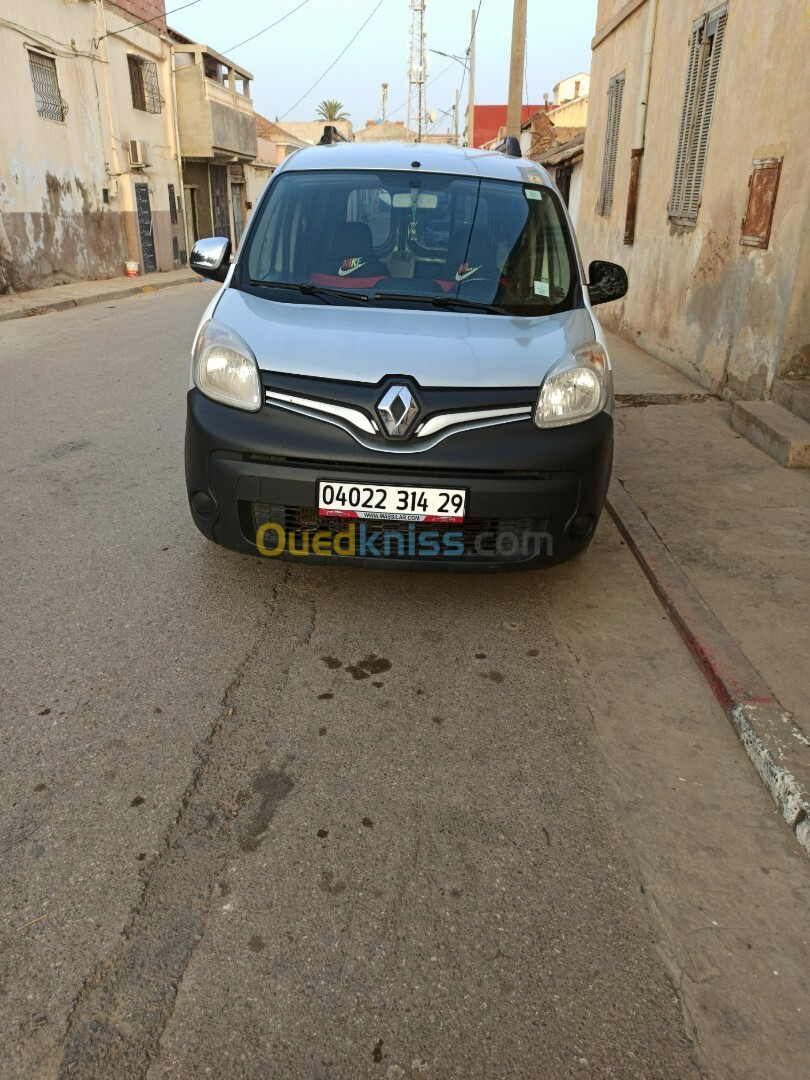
[
  {"x": 350, "y": 265},
  {"x": 533, "y": 193},
  {"x": 541, "y": 288},
  {"x": 465, "y": 271}
]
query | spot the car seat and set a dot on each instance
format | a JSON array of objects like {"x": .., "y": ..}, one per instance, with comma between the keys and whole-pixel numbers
[
  {"x": 469, "y": 258},
  {"x": 349, "y": 260}
]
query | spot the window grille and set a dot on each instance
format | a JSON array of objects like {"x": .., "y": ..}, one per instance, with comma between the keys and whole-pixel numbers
[
  {"x": 705, "y": 47},
  {"x": 50, "y": 102},
  {"x": 143, "y": 80},
  {"x": 604, "y": 205},
  {"x": 172, "y": 205}
]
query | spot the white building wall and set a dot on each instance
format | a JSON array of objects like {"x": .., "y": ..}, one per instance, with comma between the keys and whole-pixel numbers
[{"x": 55, "y": 224}]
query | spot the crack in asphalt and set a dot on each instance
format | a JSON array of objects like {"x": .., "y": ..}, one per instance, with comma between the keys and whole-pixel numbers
[{"x": 123, "y": 1007}]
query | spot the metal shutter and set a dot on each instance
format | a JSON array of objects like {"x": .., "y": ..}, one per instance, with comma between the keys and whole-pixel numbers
[
  {"x": 705, "y": 47},
  {"x": 136, "y": 83},
  {"x": 614, "y": 115}
]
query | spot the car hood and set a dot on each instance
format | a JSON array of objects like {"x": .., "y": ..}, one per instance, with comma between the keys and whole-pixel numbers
[{"x": 435, "y": 348}]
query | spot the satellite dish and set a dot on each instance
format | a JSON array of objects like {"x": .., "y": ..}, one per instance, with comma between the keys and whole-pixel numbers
[{"x": 432, "y": 116}]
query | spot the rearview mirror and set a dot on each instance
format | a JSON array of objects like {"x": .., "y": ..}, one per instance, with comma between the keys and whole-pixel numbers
[
  {"x": 425, "y": 200},
  {"x": 608, "y": 281},
  {"x": 210, "y": 258}
]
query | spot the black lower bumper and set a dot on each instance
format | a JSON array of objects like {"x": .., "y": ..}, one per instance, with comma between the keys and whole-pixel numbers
[{"x": 534, "y": 497}]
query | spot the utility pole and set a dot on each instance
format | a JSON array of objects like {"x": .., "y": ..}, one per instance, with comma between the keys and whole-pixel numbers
[
  {"x": 417, "y": 70},
  {"x": 471, "y": 100},
  {"x": 385, "y": 101},
  {"x": 455, "y": 120},
  {"x": 516, "y": 68}
]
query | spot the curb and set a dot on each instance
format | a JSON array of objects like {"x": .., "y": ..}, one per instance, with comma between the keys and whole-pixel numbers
[
  {"x": 46, "y": 308},
  {"x": 778, "y": 750}
]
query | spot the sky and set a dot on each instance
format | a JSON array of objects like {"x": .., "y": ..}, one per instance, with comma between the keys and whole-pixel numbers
[{"x": 287, "y": 60}]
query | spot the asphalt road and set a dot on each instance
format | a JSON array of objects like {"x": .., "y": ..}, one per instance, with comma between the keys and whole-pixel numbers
[{"x": 266, "y": 820}]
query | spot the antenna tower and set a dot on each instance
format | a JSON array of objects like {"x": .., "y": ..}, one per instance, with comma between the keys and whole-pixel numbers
[{"x": 417, "y": 71}]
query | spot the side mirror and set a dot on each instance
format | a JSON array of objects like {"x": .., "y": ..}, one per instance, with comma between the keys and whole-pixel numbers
[
  {"x": 210, "y": 258},
  {"x": 608, "y": 281}
]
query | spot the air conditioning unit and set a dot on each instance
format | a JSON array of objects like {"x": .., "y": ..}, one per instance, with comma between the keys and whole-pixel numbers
[{"x": 138, "y": 154}]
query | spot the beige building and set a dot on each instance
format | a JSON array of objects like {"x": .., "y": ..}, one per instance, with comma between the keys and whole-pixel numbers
[
  {"x": 311, "y": 131},
  {"x": 89, "y": 166},
  {"x": 217, "y": 130},
  {"x": 695, "y": 179},
  {"x": 274, "y": 144},
  {"x": 384, "y": 131}
]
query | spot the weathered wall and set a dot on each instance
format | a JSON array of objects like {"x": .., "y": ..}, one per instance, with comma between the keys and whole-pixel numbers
[
  {"x": 233, "y": 131},
  {"x": 730, "y": 316},
  {"x": 213, "y": 120},
  {"x": 153, "y": 10},
  {"x": 572, "y": 114},
  {"x": 155, "y": 128},
  {"x": 55, "y": 225}
]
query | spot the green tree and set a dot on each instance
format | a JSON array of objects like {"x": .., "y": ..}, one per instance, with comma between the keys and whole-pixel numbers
[{"x": 331, "y": 110}]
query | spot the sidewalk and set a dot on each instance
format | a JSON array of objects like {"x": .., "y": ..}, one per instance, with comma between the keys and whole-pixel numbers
[
  {"x": 737, "y": 525},
  {"x": 59, "y": 297}
]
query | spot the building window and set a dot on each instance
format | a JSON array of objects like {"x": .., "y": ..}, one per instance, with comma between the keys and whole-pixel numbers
[
  {"x": 172, "y": 205},
  {"x": 50, "y": 102},
  {"x": 705, "y": 46},
  {"x": 143, "y": 80},
  {"x": 614, "y": 115}
]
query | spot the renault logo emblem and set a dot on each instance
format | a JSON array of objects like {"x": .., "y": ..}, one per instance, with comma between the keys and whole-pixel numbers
[{"x": 398, "y": 410}]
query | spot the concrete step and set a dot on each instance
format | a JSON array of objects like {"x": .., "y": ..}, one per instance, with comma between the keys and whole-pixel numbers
[
  {"x": 793, "y": 395},
  {"x": 775, "y": 430}
]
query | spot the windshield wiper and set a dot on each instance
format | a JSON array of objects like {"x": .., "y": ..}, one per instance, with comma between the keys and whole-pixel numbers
[
  {"x": 312, "y": 290},
  {"x": 443, "y": 301}
]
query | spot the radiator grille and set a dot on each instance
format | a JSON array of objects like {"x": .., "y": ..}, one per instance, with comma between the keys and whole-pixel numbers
[{"x": 500, "y": 539}]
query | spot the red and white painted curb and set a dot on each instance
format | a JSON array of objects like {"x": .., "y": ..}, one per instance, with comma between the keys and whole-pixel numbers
[{"x": 778, "y": 749}]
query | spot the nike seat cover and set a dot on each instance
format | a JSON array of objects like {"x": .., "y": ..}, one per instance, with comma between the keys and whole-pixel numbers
[{"x": 349, "y": 258}]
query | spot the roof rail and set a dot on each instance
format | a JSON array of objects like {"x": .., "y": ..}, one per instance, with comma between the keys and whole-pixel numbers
[
  {"x": 511, "y": 146},
  {"x": 331, "y": 135}
]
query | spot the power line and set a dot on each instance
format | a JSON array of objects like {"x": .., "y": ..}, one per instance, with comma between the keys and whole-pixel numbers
[
  {"x": 143, "y": 22},
  {"x": 270, "y": 27},
  {"x": 239, "y": 44},
  {"x": 338, "y": 57}
]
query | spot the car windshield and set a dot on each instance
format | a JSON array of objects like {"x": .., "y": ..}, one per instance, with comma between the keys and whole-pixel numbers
[{"x": 411, "y": 239}]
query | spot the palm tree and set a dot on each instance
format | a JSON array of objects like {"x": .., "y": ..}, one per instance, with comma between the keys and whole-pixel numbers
[{"x": 331, "y": 110}]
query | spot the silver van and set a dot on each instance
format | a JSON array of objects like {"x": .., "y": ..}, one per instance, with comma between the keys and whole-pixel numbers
[{"x": 402, "y": 367}]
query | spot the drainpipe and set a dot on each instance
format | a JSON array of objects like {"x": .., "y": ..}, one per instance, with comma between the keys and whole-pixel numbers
[
  {"x": 100, "y": 23},
  {"x": 641, "y": 122}
]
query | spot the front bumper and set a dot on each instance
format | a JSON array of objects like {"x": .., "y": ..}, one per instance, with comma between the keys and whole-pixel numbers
[{"x": 545, "y": 489}]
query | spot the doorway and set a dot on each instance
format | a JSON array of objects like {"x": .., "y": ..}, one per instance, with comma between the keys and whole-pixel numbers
[
  {"x": 220, "y": 210},
  {"x": 144, "y": 213},
  {"x": 190, "y": 195},
  {"x": 238, "y": 204}
]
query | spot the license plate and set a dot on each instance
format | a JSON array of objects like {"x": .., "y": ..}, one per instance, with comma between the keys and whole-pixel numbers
[{"x": 391, "y": 502}]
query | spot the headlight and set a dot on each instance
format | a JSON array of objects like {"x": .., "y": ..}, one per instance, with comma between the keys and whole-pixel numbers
[
  {"x": 225, "y": 369},
  {"x": 576, "y": 388}
]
